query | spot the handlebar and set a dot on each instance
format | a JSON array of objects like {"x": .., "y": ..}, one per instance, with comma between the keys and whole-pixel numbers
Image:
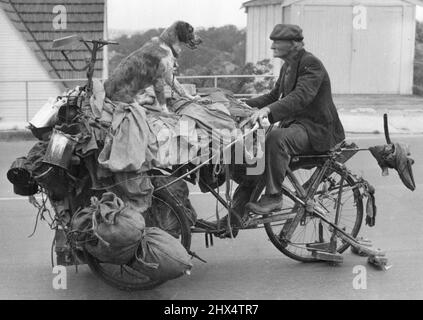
[
  {"x": 102, "y": 42},
  {"x": 95, "y": 46}
]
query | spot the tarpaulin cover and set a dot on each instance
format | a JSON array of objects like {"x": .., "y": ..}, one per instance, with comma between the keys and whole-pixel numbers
[{"x": 130, "y": 145}]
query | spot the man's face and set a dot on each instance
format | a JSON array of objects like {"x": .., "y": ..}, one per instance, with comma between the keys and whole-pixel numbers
[{"x": 281, "y": 48}]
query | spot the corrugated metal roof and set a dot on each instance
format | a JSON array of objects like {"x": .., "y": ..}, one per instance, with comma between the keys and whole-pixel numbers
[{"x": 34, "y": 20}]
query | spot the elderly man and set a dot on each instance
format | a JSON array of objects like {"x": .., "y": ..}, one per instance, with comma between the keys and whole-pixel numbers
[{"x": 302, "y": 102}]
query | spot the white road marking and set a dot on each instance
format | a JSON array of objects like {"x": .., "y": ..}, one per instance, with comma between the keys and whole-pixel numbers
[{"x": 16, "y": 198}]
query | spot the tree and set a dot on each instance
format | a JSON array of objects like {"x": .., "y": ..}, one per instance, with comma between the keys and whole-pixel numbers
[
  {"x": 221, "y": 53},
  {"x": 226, "y": 40}
]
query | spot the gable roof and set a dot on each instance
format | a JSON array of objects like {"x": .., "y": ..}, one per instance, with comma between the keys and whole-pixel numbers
[{"x": 34, "y": 20}]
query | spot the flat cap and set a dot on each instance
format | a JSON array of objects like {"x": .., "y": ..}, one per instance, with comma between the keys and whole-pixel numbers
[{"x": 287, "y": 32}]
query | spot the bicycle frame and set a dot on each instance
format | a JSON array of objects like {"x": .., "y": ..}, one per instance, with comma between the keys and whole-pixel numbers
[{"x": 304, "y": 205}]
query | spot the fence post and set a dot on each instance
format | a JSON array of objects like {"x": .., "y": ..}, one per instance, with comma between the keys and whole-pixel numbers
[
  {"x": 26, "y": 101},
  {"x": 215, "y": 82}
]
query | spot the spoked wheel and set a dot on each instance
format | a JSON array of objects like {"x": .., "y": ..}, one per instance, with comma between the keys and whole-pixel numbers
[
  {"x": 166, "y": 214},
  {"x": 313, "y": 229}
]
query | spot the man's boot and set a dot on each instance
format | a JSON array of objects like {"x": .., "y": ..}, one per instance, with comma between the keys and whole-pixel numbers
[{"x": 267, "y": 204}]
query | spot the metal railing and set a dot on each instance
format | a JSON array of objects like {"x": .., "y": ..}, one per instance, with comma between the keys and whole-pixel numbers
[
  {"x": 26, "y": 97},
  {"x": 216, "y": 77}
]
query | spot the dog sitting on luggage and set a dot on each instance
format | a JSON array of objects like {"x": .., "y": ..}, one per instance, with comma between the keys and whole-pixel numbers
[{"x": 152, "y": 64}]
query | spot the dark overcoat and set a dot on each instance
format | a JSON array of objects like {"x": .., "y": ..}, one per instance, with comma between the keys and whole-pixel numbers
[{"x": 303, "y": 94}]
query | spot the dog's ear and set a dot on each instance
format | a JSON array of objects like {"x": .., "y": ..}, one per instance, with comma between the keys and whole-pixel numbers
[{"x": 184, "y": 31}]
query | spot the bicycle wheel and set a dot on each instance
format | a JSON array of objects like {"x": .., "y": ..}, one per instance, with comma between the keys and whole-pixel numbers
[
  {"x": 313, "y": 229},
  {"x": 165, "y": 213}
]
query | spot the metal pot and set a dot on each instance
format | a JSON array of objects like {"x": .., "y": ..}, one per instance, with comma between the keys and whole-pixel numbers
[{"x": 18, "y": 172}]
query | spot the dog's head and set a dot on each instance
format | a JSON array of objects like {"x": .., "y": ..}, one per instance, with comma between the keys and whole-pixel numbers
[{"x": 185, "y": 34}]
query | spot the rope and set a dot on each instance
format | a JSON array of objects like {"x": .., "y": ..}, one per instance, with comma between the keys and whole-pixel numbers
[{"x": 41, "y": 209}]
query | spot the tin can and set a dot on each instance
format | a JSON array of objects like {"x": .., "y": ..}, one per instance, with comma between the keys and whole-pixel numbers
[{"x": 60, "y": 150}]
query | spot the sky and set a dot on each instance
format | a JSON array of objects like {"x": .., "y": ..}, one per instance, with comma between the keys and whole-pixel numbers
[
  {"x": 146, "y": 14},
  {"x": 138, "y": 15}
]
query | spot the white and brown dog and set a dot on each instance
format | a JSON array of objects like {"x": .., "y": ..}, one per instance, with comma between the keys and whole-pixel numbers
[{"x": 152, "y": 65}]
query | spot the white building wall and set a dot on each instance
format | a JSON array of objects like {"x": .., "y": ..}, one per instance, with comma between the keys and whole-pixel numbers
[
  {"x": 408, "y": 50},
  {"x": 373, "y": 61},
  {"x": 18, "y": 62}
]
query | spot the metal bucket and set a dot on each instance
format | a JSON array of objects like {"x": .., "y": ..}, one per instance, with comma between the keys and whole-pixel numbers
[
  {"x": 59, "y": 150},
  {"x": 47, "y": 115}
]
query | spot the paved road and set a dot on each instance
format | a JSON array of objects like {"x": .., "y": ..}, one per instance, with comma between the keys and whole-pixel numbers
[{"x": 248, "y": 267}]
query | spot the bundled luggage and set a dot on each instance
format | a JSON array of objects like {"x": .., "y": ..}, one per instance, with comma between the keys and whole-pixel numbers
[
  {"x": 161, "y": 256},
  {"x": 113, "y": 232},
  {"x": 112, "y": 228},
  {"x": 107, "y": 148}
]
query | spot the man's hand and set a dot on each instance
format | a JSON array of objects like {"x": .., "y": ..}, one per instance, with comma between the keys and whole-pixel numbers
[{"x": 259, "y": 115}]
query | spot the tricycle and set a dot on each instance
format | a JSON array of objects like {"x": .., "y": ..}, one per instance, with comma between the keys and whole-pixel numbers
[{"x": 321, "y": 216}]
